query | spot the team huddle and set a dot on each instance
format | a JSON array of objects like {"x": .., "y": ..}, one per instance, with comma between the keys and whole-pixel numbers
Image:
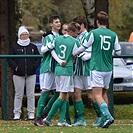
[{"x": 74, "y": 61}]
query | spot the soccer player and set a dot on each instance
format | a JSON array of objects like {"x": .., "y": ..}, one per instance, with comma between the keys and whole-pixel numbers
[
  {"x": 68, "y": 120},
  {"x": 64, "y": 28},
  {"x": 48, "y": 106},
  {"x": 82, "y": 77},
  {"x": 64, "y": 47},
  {"x": 103, "y": 42},
  {"x": 47, "y": 78},
  {"x": 131, "y": 37}
]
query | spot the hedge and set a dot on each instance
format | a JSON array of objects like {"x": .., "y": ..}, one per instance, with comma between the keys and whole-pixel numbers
[{"x": 119, "y": 98}]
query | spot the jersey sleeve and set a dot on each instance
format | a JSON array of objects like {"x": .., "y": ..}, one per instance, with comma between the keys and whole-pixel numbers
[
  {"x": 47, "y": 44},
  {"x": 86, "y": 44},
  {"x": 85, "y": 56},
  {"x": 76, "y": 45},
  {"x": 55, "y": 56},
  {"x": 117, "y": 47}
]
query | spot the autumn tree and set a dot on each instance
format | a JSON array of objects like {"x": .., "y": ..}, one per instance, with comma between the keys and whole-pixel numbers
[
  {"x": 8, "y": 19},
  {"x": 38, "y": 12},
  {"x": 121, "y": 17}
]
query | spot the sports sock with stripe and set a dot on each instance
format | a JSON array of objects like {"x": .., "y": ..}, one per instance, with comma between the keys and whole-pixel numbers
[
  {"x": 51, "y": 101},
  {"x": 97, "y": 109},
  {"x": 62, "y": 111},
  {"x": 104, "y": 109},
  {"x": 80, "y": 110},
  {"x": 57, "y": 104},
  {"x": 41, "y": 103}
]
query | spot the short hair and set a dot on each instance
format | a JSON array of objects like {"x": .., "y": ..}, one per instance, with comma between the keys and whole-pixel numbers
[
  {"x": 102, "y": 18},
  {"x": 73, "y": 26},
  {"x": 53, "y": 17},
  {"x": 81, "y": 20},
  {"x": 66, "y": 24}
]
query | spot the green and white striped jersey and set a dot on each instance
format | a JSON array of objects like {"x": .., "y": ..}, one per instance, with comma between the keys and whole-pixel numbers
[
  {"x": 48, "y": 63},
  {"x": 82, "y": 67},
  {"x": 65, "y": 46},
  {"x": 103, "y": 42}
]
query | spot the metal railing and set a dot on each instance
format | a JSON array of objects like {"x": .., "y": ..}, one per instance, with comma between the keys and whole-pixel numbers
[
  {"x": 5, "y": 57},
  {"x": 111, "y": 97}
]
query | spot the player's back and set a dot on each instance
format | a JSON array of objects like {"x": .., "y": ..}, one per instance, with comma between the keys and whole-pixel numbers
[
  {"x": 102, "y": 47},
  {"x": 64, "y": 47}
]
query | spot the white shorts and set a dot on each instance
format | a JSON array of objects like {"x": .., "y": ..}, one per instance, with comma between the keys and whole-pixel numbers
[
  {"x": 82, "y": 82},
  {"x": 47, "y": 81},
  {"x": 100, "y": 79},
  {"x": 64, "y": 84}
]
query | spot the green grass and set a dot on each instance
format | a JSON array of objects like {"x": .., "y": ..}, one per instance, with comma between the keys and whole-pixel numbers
[
  {"x": 120, "y": 126},
  {"x": 123, "y": 123}
]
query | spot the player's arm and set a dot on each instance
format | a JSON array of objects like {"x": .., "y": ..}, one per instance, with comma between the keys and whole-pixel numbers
[
  {"x": 85, "y": 45},
  {"x": 49, "y": 46},
  {"x": 54, "y": 55},
  {"x": 117, "y": 47},
  {"x": 85, "y": 56}
]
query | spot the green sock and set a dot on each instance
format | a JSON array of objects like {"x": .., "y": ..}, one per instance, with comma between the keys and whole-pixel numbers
[
  {"x": 97, "y": 109},
  {"x": 63, "y": 111},
  {"x": 104, "y": 110},
  {"x": 41, "y": 103},
  {"x": 68, "y": 112},
  {"x": 75, "y": 113},
  {"x": 80, "y": 109},
  {"x": 51, "y": 101},
  {"x": 57, "y": 104}
]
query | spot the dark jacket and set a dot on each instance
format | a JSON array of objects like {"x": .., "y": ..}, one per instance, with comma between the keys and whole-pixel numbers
[
  {"x": 26, "y": 66},
  {"x": 47, "y": 33}
]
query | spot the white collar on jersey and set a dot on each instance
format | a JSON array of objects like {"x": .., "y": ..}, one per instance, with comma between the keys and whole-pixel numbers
[
  {"x": 55, "y": 33},
  {"x": 82, "y": 33}
]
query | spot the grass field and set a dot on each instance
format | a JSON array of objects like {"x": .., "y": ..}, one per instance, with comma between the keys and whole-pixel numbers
[
  {"x": 120, "y": 126},
  {"x": 123, "y": 123}
]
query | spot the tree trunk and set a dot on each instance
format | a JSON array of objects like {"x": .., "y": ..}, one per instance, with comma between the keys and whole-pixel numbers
[
  {"x": 89, "y": 8},
  {"x": 8, "y": 36},
  {"x": 101, "y": 5},
  {"x": 92, "y": 7}
]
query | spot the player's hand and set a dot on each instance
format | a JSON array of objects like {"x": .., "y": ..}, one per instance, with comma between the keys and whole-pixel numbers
[
  {"x": 74, "y": 54},
  {"x": 16, "y": 69},
  {"x": 63, "y": 63}
]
